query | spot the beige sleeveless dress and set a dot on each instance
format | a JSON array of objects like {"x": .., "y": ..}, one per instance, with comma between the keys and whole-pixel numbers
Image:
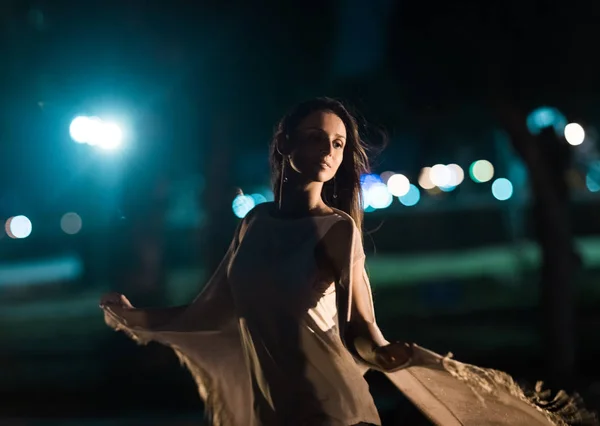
[{"x": 264, "y": 341}]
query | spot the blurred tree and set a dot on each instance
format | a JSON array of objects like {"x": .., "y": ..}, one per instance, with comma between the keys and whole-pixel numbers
[
  {"x": 517, "y": 78},
  {"x": 547, "y": 158}
]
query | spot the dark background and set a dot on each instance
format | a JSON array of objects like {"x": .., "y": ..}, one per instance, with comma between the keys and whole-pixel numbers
[{"x": 198, "y": 88}]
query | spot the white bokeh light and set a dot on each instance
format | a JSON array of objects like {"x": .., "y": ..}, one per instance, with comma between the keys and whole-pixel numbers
[
  {"x": 398, "y": 185},
  {"x": 440, "y": 175},
  {"x": 91, "y": 129},
  {"x": 80, "y": 129},
  {"x": 457, "y": 175},
  {"x": 574, "y": 134},
  {"x": 18, "y": 227},
  {"x": 378, "y": 196},
  {"x": 111, "y": 136},
  {"x": 96, "y": 132}
]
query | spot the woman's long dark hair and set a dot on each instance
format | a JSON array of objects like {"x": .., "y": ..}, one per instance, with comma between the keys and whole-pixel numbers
[{"x": 355, "y": 162}]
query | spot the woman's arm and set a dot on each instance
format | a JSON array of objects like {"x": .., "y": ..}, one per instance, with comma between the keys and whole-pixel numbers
[
  {"x": 343, "y": 246},
  {"x": 362, "y": 317},
  {"x": 214, "y": 306},
  {"x": 208, "y": 311},
  {"x": 145, "y": 317},
  {"x": 369, "y": 342}
]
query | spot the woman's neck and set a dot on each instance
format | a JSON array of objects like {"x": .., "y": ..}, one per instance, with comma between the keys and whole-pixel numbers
[{"x": 302, "y": 200}]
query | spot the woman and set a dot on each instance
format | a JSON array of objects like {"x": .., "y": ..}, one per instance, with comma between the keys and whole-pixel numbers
[{"x": 285, "y": 330}]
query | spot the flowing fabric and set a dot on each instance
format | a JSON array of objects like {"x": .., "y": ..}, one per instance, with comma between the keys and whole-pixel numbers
[{"x": 206, "y": 337}]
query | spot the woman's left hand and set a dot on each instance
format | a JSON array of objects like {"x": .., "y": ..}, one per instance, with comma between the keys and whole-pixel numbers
[{"x": 114, "y": 299}]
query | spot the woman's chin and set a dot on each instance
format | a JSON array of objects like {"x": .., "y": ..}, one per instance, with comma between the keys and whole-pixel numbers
[
  {"x": 323, "y": 180},
  {"x": 324, "y": 176},
  {"x": 320, "y": 175}
]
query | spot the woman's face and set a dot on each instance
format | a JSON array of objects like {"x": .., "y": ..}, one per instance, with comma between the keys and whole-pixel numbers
[{"x": 317, "y": 147}]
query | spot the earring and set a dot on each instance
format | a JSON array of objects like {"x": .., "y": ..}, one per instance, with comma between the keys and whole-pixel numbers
[
  {"x": 283, "y": 176},
  {"x": 334, "y": 188}
]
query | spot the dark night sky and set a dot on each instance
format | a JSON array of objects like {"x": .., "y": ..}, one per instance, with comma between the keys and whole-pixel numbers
[{"x": 174, "y": 66}]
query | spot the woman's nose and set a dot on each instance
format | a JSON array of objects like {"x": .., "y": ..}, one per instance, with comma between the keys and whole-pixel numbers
[{"x": 326, "y": 148}]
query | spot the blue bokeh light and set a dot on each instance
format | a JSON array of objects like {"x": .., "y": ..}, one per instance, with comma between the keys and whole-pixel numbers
[
  {"x": 447, "y": 188},
  {"x": 502, "y": 189},
  {"x": 242, "y": 204},
  {"x": 592, "y": 184},
  {"x": 412, "y": 197},
  {"x": 369, "y": 179},
  {"x": 544, "y": 117},
  {"x": 258, "y": 198}
]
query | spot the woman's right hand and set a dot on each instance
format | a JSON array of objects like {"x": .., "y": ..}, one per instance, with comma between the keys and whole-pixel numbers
[
  {"x": 394, "y": 356},
  {"x": 387, "y": 358},
  {"x": 115, "y": 300}
]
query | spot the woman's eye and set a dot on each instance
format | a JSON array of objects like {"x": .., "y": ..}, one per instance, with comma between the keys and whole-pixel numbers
[
  {"x": 313, "y": 138},
  {"x": 338, "y": 144}
]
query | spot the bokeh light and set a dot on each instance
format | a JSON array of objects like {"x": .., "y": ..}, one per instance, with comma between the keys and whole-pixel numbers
[
  {"x": 242, "y": 204},
  {"x": 367, "y": 182},
  {"x": 266, "y": 192},
  {"x": 502, "y": 189},
  {"x": 71, "y": 223},
  {"x": 425, "y": 179},
  {"x": 412, "y": 197},
  {"x": 109, "y": 136},
  {"x": 481, "y": 171},
  {"x": 18, "y": 227},
  {"x": 440, "y": 175},
  {"x": 398, "y": 185},
  {"x": 378, "y": 196},
  {"x": 258, "y": 198},
  {"x": 96, "y": 132},
  {"x": 544, "y": 117},
  {"x": 457, "y": 174},
  {"x": 385, "y": 176},
  {"x": 592, "y": 184},
  {"x": 80, "y": 129},
  {"x": 574, "y": 134},
  {"x": 454, "y": 177}
]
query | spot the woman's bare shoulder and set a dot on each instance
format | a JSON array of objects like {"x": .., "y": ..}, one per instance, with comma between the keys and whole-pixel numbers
[
  {"x": 340, "y": 234},
  {"x": 257, "y": 212},
  {"x": 346, "y": 224}
]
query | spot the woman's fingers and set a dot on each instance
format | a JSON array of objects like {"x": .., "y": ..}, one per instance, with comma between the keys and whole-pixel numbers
[
  {"x": 394, "y": 355},
  {"x": 110, "y": 299},
  {"x": 115, "y": 299},
  {"x": 126, "y": 302}
]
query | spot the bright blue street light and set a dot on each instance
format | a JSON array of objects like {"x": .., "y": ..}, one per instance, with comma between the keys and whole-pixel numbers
[{"x": 96, "y": 132}]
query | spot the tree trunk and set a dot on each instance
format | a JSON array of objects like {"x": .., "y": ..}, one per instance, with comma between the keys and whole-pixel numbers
[{"x": 547, "y": 159}]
